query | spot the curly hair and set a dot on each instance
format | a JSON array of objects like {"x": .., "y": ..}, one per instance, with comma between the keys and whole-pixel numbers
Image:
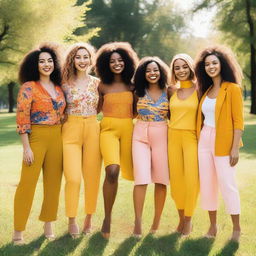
[
  {"x": 230, "y": 69},
  {"x": 185, "y": 57},
  {"x": 128, "y": 55},
  {"x": 69, "y": 70},
  {"x": 140, "y": 81},
  {"x": 29, "y": 67}
]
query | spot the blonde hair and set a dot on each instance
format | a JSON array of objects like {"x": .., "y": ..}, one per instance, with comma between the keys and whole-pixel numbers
[
  {"x": 189, "y": 61},
  {"x": 69, "y": 70}
]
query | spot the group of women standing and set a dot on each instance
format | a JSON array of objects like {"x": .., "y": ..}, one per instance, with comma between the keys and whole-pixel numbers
[{"x": 57, "y": 120}]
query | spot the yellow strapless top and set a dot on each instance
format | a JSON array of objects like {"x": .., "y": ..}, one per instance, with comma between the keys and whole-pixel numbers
[
  {"x": 183, "y": 112},
  {"x": 118, "y": 104}
]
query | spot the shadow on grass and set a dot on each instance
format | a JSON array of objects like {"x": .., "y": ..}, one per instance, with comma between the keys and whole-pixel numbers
[
  {"x": 198, "y": 247},
  {"x": 249, "y": 138},
  {"x": 64, "y": 245},
  {"x": 126, "y": 247},
  {"x": 95, "y": 246},
  {"x": 164, "y": 245},
  {"x": 22, "y": 250},
  {"x": 229, "y": 249}
]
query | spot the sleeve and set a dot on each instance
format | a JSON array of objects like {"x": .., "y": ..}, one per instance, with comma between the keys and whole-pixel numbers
[
  {"x": 237, "y": 108},
  {"x": 24, "y": 102}
]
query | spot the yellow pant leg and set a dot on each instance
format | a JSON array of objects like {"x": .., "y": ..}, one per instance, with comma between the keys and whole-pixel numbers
[
  {"x": 52, "y": 175},
  {"x": 72, "y": 137},
  {"x": 176, "y": 167},
  {"x": 91, "y": 163},
  {"x": 29, "y": 176},
  {"x": 109, "y": 141},
  {"x": 191, "y": 171},
  {"x": 126, "y": 149}
]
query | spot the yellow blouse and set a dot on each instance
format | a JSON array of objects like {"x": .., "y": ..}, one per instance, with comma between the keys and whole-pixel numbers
[
  {"x": 183, "y": 112},
  {"x": 118, "y": 104}
]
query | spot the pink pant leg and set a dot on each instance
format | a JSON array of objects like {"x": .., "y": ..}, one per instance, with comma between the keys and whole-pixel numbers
[
  {"x": 207, "y": 172},
  {"x": 141, "y": 154},
  {"x": 159, "y": 152},
  {"x": 227, "y": 183}
]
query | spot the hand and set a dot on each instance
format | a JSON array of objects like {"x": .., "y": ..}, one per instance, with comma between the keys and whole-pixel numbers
[
  {"x": 28, "y": 156},
  {"x": 64, "y": 118},
  {"x": 234, "y": 156}
]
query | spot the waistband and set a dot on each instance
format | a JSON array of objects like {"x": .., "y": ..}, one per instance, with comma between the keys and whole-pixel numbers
[
  {"x": 45, "y": 126},
  {"x": 151, "y": 123},
  {"x": 207, "y": 127},
  {"x": 73, "y": 117},
  {"x": 116, "y": 118}
]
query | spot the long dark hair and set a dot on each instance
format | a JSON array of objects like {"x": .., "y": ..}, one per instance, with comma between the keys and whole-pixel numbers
[
  {"x": 230, "y": 69},
  {"x": 29, "y": 67},
  {"x": 140, "y": 82},
  {"x": 103, "y": 58}
]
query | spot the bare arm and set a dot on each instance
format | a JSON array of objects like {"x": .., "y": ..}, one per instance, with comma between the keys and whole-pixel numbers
[
  {"x": 135, "y": 100},
  {"x": 101, "y": 99},
  {"x": 28, "y": 156}
]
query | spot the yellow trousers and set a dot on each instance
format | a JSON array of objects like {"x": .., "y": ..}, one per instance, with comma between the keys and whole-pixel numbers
[
  {"x": 183, "y": 165},
  {"x": 116, "y": 144},
  {"x": 45, "y": 142},
  {"x": 81, "y": 155}
]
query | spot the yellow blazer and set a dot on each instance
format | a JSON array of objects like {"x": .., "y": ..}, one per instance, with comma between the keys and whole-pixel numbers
[{"x": 228, "y": 116}]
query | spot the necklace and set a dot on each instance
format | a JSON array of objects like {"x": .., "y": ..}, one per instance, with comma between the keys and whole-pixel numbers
[{"x": 186, "y": 84}]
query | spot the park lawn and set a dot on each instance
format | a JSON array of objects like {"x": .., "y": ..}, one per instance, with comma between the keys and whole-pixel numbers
[{"x": 166, "y": 242}]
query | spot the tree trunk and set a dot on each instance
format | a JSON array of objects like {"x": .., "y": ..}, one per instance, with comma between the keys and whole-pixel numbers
[
  {"x": 10, "y": 96},
  {"x": 252, "y": 57}
]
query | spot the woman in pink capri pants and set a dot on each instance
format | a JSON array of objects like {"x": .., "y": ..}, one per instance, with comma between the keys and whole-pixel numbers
[
  {"x": 149, "y": 146},
  {"x": 219, "y": 129}
]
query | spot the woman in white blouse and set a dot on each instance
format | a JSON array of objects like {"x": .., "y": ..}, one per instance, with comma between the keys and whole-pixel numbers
[{"x": 80, "y": 133}]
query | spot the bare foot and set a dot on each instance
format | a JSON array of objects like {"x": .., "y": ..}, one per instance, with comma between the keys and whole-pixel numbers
[
  {"x": 137, "y": 229},
  {"x": 212, "y": 231},
  {"x": 48, "y": 231},
  {"x": 87, "y": 224},
  {"x": 236, "y": 235},
  {"x": 73, "y": 230},
  {"x": 187, "y": 228},
  {"x": 179, "y": 229},
  {"x": 105, "y": 229},
  {"x": 17, "y": 238}
]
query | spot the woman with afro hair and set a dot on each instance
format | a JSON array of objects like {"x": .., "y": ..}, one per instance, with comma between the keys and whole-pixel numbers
[
  {"x": 40, "y": 107},
  {"x": 115, "y": 65}
]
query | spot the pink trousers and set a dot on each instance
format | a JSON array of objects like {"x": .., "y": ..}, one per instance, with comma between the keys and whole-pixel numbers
[
  {"x": 215, "y": 171},
  {"x": 149, "y": 152}
]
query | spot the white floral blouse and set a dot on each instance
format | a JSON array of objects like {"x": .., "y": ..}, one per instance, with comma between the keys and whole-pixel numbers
[{"x": 82, "y": 101}]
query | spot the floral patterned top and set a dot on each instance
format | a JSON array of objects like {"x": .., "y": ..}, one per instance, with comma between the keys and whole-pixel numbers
[
  {"x": 36, "y": 106},
  {"x": 82, "y": 101},
  {"x": 151, "y": 111}
]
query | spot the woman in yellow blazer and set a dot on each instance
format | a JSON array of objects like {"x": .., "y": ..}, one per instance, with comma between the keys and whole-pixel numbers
[{"x": 219, "y": 130}]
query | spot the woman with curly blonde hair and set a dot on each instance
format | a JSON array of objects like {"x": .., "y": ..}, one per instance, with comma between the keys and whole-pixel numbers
[
  {"x": 80, "y": 134},
  {"x": 219, "y": 129},
  {"x": 115, "y": 65}
]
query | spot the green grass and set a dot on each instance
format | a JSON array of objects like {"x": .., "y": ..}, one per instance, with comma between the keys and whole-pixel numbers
[{"x": 166, "y": 242}]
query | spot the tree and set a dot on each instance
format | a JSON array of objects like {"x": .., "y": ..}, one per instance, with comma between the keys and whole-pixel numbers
[
  {"x": 237, "y": 19},
  {"x": 25, "y": 23},
  {"x": 151, "y": 26}
]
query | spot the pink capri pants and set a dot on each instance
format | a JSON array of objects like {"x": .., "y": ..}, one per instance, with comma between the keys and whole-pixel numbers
[
  {"x": 215, "y": 171},
  {"x": 149, "y": 152}
]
